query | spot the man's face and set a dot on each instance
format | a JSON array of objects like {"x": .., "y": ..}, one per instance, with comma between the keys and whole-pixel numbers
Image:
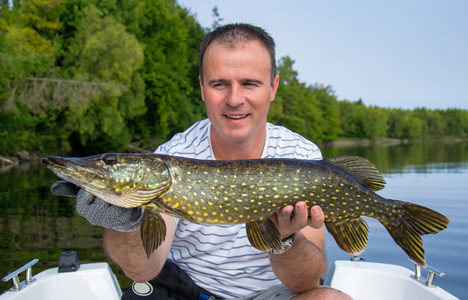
[{"x": 237, "y": 90}]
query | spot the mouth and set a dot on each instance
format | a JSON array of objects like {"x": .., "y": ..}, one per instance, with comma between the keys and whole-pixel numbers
[{"x": 236, "y": 117}]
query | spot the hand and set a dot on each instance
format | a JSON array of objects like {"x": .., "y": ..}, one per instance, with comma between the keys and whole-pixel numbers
[
  {"x": 97, "y": 211},
  {"x": 289, "y": 222}
]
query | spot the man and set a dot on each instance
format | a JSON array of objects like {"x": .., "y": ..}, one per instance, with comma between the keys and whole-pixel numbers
[{"x": 238, "y": 82}]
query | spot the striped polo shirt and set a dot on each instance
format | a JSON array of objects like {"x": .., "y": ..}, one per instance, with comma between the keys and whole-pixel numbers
[{"x": 219, "y": 258}]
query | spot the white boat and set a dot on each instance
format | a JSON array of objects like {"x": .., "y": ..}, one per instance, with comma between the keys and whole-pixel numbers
[
  {"x": 96, "y": 281},
  {"x": 370, "y": 281}
]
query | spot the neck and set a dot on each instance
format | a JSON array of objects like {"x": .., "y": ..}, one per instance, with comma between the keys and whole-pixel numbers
[{"x": 239, "y": 150}]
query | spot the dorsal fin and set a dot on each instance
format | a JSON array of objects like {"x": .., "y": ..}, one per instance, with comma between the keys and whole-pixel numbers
[{"x": 362, "y": 168}]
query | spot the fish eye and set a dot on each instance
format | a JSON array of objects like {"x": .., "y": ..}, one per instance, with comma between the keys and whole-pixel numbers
[{"x": 110, "y": 159}]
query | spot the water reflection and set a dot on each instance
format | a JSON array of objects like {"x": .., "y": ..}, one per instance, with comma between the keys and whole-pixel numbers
[
  {"x": 419, "y": 157},
  {"x": 37, "y": 224}
]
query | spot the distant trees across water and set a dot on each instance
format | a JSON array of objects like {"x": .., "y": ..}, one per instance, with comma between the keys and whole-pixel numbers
[{"x": 89, "y": 76}]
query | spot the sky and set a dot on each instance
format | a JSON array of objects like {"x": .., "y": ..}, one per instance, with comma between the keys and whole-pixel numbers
[{"x": 392, "y": 54}]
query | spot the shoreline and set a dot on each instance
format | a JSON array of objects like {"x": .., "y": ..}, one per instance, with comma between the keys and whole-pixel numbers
[{"x": 24, "y": 156}]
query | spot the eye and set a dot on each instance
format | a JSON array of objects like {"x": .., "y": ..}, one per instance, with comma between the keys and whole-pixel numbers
[
  {"x": 219, "y": 85},
  {"x": 110, "y": 159}
]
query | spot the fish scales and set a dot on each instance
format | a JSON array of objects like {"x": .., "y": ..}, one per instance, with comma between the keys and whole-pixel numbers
[{"x": 247, "y": 191}]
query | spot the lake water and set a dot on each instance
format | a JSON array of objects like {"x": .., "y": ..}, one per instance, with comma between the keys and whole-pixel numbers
[{"x": 37, "y": 224}]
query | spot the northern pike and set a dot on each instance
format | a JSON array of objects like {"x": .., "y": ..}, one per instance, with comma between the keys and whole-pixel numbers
[{"x": 247, "y": 191}]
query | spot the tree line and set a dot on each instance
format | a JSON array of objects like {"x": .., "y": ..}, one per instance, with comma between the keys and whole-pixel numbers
[{"x": 89, "y": 76}]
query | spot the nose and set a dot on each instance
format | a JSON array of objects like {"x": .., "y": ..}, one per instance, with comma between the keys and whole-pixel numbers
[{"x": 235, "y": 96}]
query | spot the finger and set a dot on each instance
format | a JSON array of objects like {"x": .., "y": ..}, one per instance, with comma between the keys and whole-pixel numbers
[
  {"x": 301, "y": 216},
  {"x": 64, "y": 188},
  {"x": 317, "y": 217},
  {"x": 135, "y": 214},
  {"x": 284, "y": 215},
  {"x": 290, "y": 221},
  {"x": 84, "y": 198}
]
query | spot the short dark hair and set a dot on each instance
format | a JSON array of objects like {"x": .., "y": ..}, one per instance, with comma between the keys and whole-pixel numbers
[{"x": 234, "y": 34}]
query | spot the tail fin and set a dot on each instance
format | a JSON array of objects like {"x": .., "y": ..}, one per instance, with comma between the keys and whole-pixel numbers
[{"x": 417, "y": 221}]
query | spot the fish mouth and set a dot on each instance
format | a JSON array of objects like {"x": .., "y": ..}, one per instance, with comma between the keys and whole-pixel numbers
[
  {"x": 53, "y": 160},
  {"x": 77, "y": 171}
]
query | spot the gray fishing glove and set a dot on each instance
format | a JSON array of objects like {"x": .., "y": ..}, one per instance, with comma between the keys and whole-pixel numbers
[{"x": 97, "y": 211}]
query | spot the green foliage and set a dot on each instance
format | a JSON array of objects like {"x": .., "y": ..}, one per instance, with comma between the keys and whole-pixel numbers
[
  {"x": 308, "y": 110},
  {"x": 103, "y": 52},
  {"x": 171, "y": 38},
  {"x": 23, "y": 53}
]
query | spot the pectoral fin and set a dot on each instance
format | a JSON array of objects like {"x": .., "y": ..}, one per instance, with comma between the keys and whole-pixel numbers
[
  {"x": 177, "y": 213},
  {"x": 152, "y": 230},
  {"x": 350, "y": 235},
  {"x": 263, "y": 235}
]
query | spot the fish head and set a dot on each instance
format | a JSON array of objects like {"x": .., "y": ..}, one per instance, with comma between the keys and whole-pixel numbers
[{"x": 125, "y": 180}]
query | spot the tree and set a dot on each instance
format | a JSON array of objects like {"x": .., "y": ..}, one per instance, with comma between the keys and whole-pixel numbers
[
  {"x": 309, "y": 110},
  {"x": 352, "y": 118},
  {"x": 103, "y": 52},
  {"x": 375, "y": 124},
  {"x": 25, "y": 49},
  {"x": 170, "y": 70}
]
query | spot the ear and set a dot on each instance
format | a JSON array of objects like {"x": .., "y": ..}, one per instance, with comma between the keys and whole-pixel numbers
[
  {"x": 201, "y": 87},
  {"x": 274, "y": 88}
]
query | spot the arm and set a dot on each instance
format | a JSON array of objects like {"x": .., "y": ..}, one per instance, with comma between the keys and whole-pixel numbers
[
  {"x": 301, "y": 268},
  {"x": 125, "y": 249},
  {"x": 121, "y": 235}
]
